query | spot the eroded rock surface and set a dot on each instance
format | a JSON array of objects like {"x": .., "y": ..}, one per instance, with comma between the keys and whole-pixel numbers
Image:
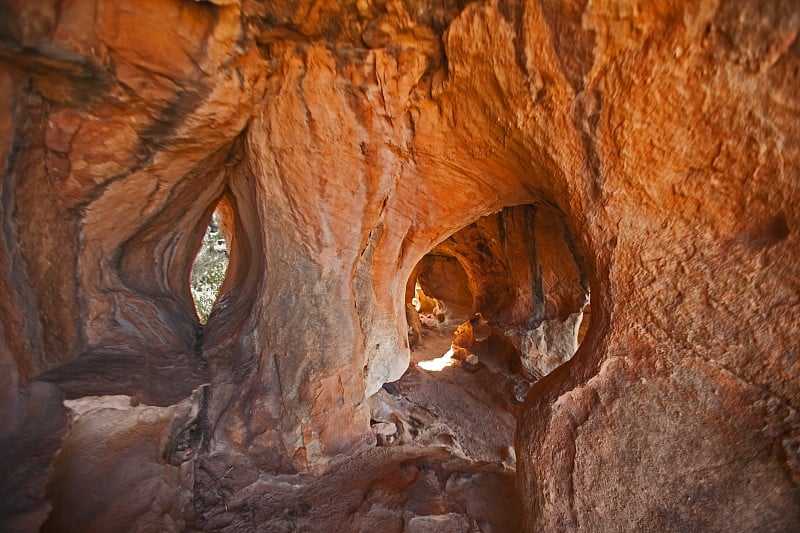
[
  {"x": 523, "y": 270},
  {"x": 344, "y": 141},
  {"x": 141, "y": 456}
]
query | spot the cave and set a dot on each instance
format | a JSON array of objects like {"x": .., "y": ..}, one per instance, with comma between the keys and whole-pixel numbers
[
  {"x": 521, "y": 269},
  {"x": 518, "y": 159}
]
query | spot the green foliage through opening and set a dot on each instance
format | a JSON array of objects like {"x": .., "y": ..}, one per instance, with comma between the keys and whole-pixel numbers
[{"x": 208, "y": 271}]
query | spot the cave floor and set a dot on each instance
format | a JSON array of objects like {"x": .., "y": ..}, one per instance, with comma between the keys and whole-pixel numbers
[
  {"x": 475, "y": 404},
  {"x": 448, "y": 466}
]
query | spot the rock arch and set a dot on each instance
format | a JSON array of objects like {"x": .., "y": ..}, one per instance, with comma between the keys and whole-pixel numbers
[
  {"x": 521, "y": 268},
  {"x": 666, "y": 136}
]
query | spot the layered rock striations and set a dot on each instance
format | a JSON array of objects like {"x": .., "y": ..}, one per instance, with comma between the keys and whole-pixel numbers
[
  {"x": 522, "y": 269},
  {"x": 343, "y": 141}
]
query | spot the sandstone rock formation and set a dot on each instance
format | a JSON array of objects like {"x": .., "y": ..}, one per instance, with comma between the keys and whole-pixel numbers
[
  {"x": 344, "y": 141},
  {"x": 522, "y": 269}
]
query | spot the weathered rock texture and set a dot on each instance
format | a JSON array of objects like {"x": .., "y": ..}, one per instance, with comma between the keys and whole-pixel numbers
[
  {"x": 443, "y": 277},
  {"x": 345, "y": 140},
  {"x": 157, "y": 442},
  {"x": 522, "y": 269}
]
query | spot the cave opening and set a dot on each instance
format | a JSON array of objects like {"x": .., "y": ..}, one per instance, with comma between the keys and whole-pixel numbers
[
  {"x": 209, "y": 268},
  {"x": 490, "y": 310},
  {"x": 509, "y": 288}
]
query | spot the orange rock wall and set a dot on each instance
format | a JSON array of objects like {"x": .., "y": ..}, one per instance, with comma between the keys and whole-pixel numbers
[
  {"x": 348, "y": 139},
  {"x": 524, "y": 272}
]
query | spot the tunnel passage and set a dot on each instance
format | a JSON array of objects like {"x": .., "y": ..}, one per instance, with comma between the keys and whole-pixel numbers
[
  {"x": 522, "y": 270},
  {"x": 443, "y": 278},
  {"x": 491, "y": 309}
]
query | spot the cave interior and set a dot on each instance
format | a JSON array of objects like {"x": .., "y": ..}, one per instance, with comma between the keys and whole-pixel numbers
[{"x": 407, "y": 265}]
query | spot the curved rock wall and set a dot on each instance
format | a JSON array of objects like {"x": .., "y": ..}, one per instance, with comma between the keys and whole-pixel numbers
[
  {"x": 442, "y": 277},
  {"x": 523, "y": 270},
  {"x": 528, "y": 278},
  {"x": 347, "y": 139}
]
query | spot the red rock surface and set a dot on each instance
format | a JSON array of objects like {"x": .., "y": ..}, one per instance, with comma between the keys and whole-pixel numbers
[
  {"x": 523, "y": 270},
  {"x": 346, "y": 140}
]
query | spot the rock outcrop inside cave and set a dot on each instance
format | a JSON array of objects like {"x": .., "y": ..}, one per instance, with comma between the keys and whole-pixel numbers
[{"x": 653, "y": 149}]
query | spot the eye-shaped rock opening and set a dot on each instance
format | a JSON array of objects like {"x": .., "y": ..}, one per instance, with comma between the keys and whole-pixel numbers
[{"x": 209, "y": 268}]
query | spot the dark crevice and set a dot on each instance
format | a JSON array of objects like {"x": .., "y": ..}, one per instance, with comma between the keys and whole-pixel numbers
[
  {"x": 535, "y": 273},
  {"x": 574, "y": 249}
]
